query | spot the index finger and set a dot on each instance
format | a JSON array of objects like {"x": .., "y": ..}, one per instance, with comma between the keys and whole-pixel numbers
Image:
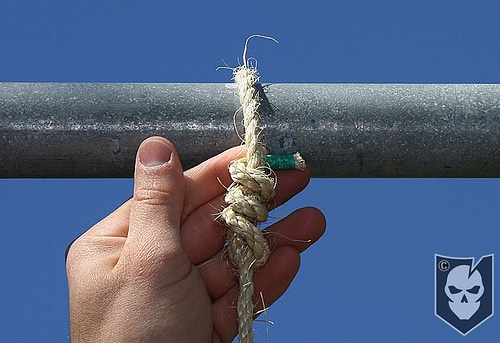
[
  {"x": 211, "y": 178},
  {"x": 208, "y": 179}
]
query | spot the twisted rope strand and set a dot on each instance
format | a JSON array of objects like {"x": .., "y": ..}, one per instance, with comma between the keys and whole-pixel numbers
[{"x": 246, "y": 200}]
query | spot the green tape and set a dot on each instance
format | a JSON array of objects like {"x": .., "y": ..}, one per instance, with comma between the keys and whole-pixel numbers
[{"x": 281, "y": 162}]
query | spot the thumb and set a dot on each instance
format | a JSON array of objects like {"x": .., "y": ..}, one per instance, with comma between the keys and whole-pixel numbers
[{"x": 154, "y": 227}]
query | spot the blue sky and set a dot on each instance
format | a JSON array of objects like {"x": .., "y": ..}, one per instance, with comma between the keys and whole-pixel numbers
[{"x": 371, "y": 277}]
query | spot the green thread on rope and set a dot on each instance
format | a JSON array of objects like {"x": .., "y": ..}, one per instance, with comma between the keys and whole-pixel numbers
[{"x": 281, "y": 162}]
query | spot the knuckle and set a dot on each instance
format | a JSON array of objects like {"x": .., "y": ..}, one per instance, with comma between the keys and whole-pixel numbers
[{"x": 153, "y": 196}]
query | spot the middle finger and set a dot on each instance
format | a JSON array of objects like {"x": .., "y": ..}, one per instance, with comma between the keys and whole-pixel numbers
[{"x": 202, "y": 231}]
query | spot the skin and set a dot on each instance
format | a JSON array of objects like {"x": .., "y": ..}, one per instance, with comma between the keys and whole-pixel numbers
[{"x": 155, "y": 270}]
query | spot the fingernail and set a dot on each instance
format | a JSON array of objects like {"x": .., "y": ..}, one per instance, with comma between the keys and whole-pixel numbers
[{"x": 154, "y": 153}]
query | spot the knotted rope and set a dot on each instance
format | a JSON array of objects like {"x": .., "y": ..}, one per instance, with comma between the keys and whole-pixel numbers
[{"x": 247, "y": 198}]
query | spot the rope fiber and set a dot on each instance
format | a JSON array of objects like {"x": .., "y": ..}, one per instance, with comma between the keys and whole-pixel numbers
[{"x": 247, "y": 198}]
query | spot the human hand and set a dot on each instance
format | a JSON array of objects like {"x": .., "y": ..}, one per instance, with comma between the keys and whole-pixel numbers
[{"x": 155, "y": 269}]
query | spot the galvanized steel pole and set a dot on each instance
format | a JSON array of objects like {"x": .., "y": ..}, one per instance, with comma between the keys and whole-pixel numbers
[{"x": 72, "y": 130}]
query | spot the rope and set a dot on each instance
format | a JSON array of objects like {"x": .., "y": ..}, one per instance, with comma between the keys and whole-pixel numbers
[{"x": 247, "y": 198}]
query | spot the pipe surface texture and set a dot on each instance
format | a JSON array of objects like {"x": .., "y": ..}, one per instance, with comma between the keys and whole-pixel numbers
[{"x": 80, "y": 130}]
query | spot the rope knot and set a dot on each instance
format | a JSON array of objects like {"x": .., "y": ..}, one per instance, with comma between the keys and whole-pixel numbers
[{"x": 247, "y": 199}]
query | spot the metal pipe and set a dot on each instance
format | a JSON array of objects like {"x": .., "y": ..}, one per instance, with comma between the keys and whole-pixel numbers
[{"x": 74, "y": 130}]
